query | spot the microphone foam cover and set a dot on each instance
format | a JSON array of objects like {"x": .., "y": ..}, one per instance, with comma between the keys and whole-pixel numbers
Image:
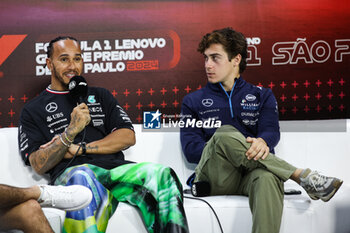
[
  {"x": 200, "y": 189},
  {"x": 78, "y": 88}
]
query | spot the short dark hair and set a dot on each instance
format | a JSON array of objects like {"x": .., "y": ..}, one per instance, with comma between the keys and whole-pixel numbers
[
  {"x": 234, "y": 43},
  {"x": 49, "y": 51}
]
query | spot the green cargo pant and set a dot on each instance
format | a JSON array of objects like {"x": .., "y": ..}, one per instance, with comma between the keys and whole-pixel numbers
[{"x": 225, "y": 166}]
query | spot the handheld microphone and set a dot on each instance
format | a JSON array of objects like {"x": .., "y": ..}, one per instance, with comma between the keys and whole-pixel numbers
[
  {"x": 200, "y": 189},
  {"x": 78, "y": 88},
  {"x": 78, "y": 91}
]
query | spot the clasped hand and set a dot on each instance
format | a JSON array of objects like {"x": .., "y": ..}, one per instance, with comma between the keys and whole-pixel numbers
[{"x": 258, "y": 148}]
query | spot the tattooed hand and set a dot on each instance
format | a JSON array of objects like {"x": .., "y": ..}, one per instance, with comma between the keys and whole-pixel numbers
[
  {"x": 44, "y": 146},
  {"x": 80, "y": 117}
]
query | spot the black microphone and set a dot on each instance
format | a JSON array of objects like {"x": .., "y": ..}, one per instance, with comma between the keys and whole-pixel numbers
[
  {"x": 200, "y": 189},
  {"x": 78, "y": 88}
]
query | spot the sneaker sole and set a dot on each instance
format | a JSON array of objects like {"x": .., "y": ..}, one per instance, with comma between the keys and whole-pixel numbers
[
  {"x": 336, "y": 185},
  {"x": 313, "y": 197}
]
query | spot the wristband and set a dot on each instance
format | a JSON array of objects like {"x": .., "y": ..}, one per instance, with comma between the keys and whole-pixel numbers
[
  {"x": 66, "y": 137},
  {"x": 64, "y": 142},
  {"x": 83, "y": 147}
]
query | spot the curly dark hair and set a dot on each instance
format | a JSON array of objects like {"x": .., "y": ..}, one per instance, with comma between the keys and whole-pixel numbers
[
  {"x": 49, "y": 51},
  {"x": 234, "y": 43}
]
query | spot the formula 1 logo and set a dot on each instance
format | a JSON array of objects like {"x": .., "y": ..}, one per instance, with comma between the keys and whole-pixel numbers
[{"x": 8, "y": 43}]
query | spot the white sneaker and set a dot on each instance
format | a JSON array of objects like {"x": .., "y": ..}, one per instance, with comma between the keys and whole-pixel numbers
[
  {"x": 319, "y": 186},
  {"x": 68, "y": 198}
]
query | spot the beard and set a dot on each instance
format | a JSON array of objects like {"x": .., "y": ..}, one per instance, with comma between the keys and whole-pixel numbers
[{"x": 59, "y": 77}]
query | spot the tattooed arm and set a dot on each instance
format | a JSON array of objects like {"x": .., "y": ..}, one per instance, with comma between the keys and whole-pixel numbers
[
  {"x": 50, "y": 155},
  {"x": 43, "y": 160},
  {"x": 112, "y": 143}
]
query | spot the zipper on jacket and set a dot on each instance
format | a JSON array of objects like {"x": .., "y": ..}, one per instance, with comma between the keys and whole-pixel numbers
[{"x": 229, "y": 96}]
